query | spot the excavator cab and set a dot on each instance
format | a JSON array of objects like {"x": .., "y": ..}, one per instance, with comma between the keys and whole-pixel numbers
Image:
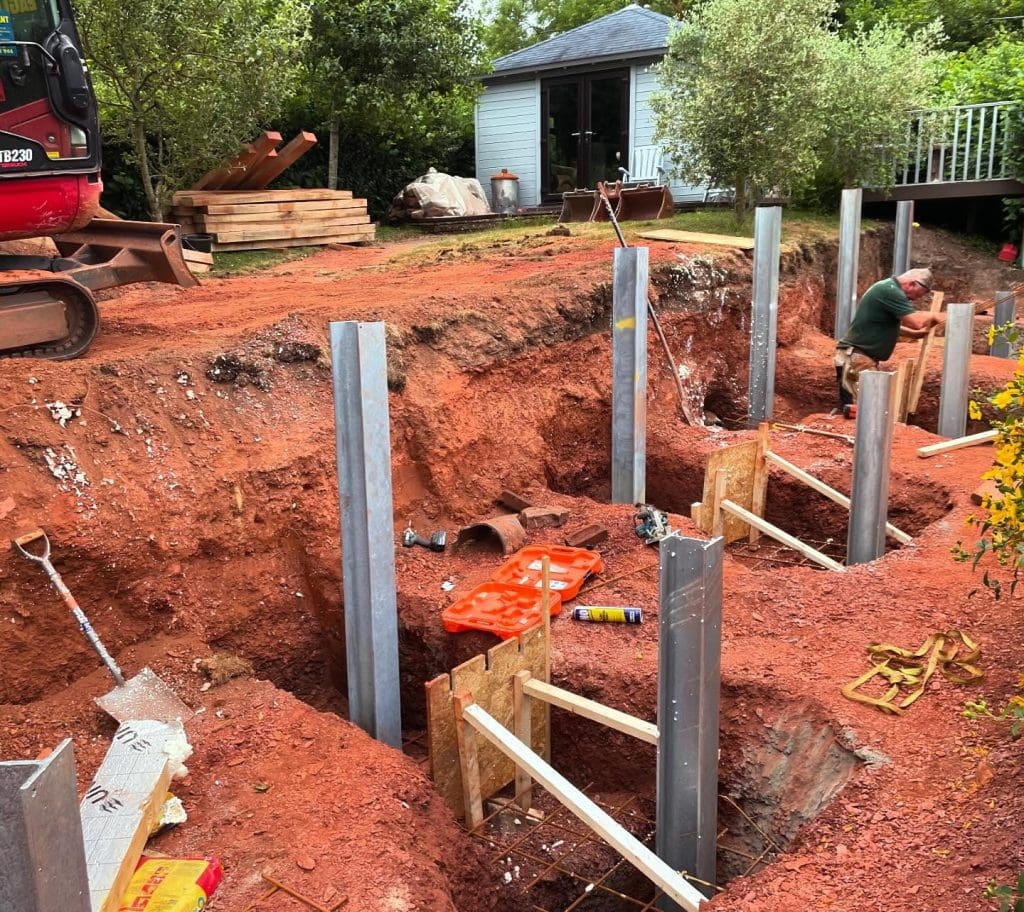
[{"x": 50, "y": 187}]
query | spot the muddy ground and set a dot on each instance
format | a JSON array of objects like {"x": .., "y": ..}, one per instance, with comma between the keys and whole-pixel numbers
[{"x": 192, "y": 504}]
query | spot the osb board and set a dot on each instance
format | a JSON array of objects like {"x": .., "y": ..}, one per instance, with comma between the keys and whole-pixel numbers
[
  {"x": 738, "y": 461},
  {"x": 490, "y": 682},
  {"x": 697, "y": 237}
]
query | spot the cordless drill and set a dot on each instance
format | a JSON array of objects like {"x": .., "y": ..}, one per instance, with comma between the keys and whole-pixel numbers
[{"x": 436, "y": 542}]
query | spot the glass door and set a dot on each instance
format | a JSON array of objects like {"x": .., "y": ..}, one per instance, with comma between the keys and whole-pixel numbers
[{"x": 584, "y": 130}]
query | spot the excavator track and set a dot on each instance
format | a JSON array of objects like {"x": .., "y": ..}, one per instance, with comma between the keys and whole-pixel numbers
[{"x": 45, "y": 315}]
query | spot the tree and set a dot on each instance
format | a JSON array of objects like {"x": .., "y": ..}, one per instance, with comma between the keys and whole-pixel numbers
[
  {"x": 965, "y": 23},
  {"x": 393, "y": 69},
  {"x": 741, "y": 97},
  {"x": 182, "y": 87},
  {"x": 767, "y": 97}
]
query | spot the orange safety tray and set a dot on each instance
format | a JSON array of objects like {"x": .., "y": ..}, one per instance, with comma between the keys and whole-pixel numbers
[
  {"x": 498, "y": 608},
  {"x": 570, "y": 568}
]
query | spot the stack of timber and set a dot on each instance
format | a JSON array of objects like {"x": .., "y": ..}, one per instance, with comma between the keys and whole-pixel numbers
[{"x": 233, "y": 205}]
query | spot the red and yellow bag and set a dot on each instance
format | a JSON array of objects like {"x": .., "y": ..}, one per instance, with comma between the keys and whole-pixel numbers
[{"x": 171, "y": 885}]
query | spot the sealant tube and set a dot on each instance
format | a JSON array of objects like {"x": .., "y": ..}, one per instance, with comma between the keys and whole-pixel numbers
[{"x": 610, "y": 614}]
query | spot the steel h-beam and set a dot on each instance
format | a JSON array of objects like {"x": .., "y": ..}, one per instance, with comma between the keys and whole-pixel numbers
[
  {"x": 872, "y": 448},
  {"x": 1006, "y": 313},
  {"x": 765, "y": 312},
  {"x": 629, "y": 375},
  {"x": 902, "y": 250},
  {"x": 359, "y": 366},
  {"x": 689, "y": 672},
  {"x": 42, "y": 854},
  {"x": 956, "y": 371},
  {"x": 849, "y": 257}
]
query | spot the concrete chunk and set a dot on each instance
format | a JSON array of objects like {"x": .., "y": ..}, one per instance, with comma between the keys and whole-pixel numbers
[
  {"x": 543, "y": 517},
  {"x": 587, "y": 537}
]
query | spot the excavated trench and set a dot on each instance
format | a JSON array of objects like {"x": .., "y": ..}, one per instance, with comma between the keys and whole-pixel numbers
[{"x": 782, "y": 758}]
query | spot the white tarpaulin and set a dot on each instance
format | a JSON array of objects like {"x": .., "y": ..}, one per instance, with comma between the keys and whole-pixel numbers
[{"x": 436, "y": 195}]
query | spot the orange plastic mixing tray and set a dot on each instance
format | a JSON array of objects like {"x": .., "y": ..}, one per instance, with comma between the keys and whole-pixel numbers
[
  {"x": 498, "y": 608},
  {"x": 570, "y": 567}
]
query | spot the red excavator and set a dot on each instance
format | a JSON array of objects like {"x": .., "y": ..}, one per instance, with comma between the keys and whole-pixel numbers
[{"x": 50, "y": 187}]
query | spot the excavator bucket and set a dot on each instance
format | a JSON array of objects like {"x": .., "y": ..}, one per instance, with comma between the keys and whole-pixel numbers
[
  {"x": 643, "y": 202},
  {"x": 578, "y": 205},
  {"x": 108, "y": 253}
]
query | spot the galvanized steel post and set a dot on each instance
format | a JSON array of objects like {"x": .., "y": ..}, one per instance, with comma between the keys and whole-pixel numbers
[
  {"x": 361, "y": 427},
  {"x": 42, "y": 853},
  {"x": 629, "y": 375},
  {"x": 1006, "y": 313},
  {"x": 849, "y": 257},
  {"x": 904, "y": 223},
  {"x": 764, "y": 314},
  {"x": 689, "y": 671},
  {"x": 956, "y": 371},
  {"x": 872, "y": 448}
]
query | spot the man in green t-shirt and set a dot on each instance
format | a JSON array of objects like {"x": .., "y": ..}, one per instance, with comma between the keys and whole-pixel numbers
[{"x": 884, "y": 313}]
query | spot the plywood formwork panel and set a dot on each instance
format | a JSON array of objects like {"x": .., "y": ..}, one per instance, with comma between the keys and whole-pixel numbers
[{"x": 739, "y": 462}]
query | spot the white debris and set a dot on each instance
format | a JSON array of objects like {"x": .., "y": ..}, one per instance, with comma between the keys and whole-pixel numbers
[
  {"x": 447, "y": 586},
  {"x": 588, "y": 888},
  {"x": 33, "y": 380},
  {"x": 190, "y": 394},
  {"x": 184, "y": 379},
  {"x": 507, "y": 877},
  {"x": 63, "y": 413}
]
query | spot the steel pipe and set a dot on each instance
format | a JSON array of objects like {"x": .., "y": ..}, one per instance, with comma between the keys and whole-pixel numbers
[
  {"x": 764, "y": 315},
  {"x": 956, "y": 371},
  {"x": 872, "y": 448}
]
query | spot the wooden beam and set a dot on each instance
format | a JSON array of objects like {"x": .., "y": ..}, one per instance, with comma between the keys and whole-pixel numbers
[
  {"x": 620, "y": 839},
  {"x": 284, "y": 230},
  {"x": 760, "y": 483},
  {"x": 924, "y": 346},
  {"x": 522, "y": 719},
  {"x": 264, "y": 147},
  {"x": 717, "y": 496},
  {"x": 697, "y": 514},
  {"x": 344, "y": 236},
  {"x": 122, "y": 804},
  {"x": 270, "y": 210},
  {"x": 545, "y": 610},
  {"x": 242, "y": 197},
  {"x": 469, "y": 763},
  {"x": 831, "y": 493},
  {"x": 900, "y": 393},
  {"x": 957, "y": 443},
  {"x": 591, "y": 709},
  {"x": 784, "y": 537},
  {"x": 271, "y": 169}
]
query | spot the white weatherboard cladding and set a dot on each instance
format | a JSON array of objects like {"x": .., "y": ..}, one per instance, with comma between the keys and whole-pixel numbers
[
  {"x": 644, "y": 83},
  {"x": 508, "y": 136}
]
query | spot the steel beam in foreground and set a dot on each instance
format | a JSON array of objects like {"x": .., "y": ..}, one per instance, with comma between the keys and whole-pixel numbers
[
  {"x": 872, "y": 449},
  {"x": 956, "y": 371},
  {"x": 629, "y": 375},
  {"x": 42, "y": 854},
  {"x": 361, "y": 427},
  {"x": 764, "y": 315},
  {"x": 689, "y": 672}
]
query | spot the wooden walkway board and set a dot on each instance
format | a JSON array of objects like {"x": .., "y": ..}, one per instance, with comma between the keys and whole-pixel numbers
[
  {"x": 739, "y": 461},
  {"x": 490, "y": 681},
  {"x": 697, "y": 237},
  {"x": 122, "y": 803}
]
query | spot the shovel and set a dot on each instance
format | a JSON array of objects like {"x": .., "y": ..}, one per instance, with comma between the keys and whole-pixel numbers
[{"x": 143, "y": 697}]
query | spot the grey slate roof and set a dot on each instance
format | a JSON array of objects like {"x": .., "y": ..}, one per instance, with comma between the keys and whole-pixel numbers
[{"x": 629, "y": 33}]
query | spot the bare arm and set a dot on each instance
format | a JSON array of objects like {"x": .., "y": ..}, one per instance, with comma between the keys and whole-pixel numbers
[{"x": 921, "y": 320}]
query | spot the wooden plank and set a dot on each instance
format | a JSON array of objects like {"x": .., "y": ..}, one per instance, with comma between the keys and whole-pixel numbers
[
  {"x": 258, "y": 214},
  {"x": 591, "y": 709},
  {"x": 269, "y": 210},
  {"x": 285, "y": 229},
  {"x": 469, "y": 764},
  {"x": 924, "y": 346},
  {"x": 718, "y": 494},
  {"x": 739, "y": 461},
  {"x": 831, "y": 493},
  {"x": 784, "y": 537},
  {"x": 522, "y": 714},
  {"x": 620, "y": 839},
  {"x": 697, "y": 514},
  {"x": 214, "y": 223},
  {"x": 122, "y": 804},
  {"x": 265, "y": 147},
  {"x": 697, "y": 237},
  {"x": 489, "y": 680},
  {"x": 759, "y": 493},
  {"x": 900, "y": 393},
  {"x": 344, "y": 237},
  {"x": 211, "y": 180},
  {"x": 271, "y": 169},
  {"x": 957, "y": 443},
  {"x": 219, "y": 178},
  {"x": 240, "y": 197}
]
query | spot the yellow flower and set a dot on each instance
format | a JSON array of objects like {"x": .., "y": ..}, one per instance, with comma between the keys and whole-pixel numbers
[
  {"x": 1002, "y": 399},
  {"x": 974, "y": 410},
  {"x": 991, "y": 334}
]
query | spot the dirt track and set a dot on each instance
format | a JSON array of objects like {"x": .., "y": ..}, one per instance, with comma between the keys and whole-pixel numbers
[{"x": 194, "y": 517}]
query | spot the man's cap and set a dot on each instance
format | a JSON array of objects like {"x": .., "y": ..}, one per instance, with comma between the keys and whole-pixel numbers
[{"x": 923, "y": 277}]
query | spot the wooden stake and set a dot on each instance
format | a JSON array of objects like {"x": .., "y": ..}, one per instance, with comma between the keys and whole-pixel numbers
[
  {"x": 522, "y": 706},
  {"x": 956, "y": 444},
  {"x": 469, "y": 762},
  {"x": 591, "y": 709},
  {"x": 900, "y": 394},
  {"x": 545, "y": 608},
  {"x": 721, "y": 489},
  {"x": 760, "y": 497},
  {"x": 922, "y": 357},
  {"x": 784, "y": 537}
]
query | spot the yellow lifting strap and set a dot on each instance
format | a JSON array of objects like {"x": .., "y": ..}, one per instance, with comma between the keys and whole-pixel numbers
[{"x": 907, "y": 671}]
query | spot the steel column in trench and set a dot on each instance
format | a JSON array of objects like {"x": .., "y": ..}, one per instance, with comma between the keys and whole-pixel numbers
[
  {"x": 849, "y": 257},
  {"x": 872, "y": 449},
  {"x": 361, "y": 427},
  {"x": 689, "y": 673},
  {"x": 901, "y": 251},
  {"x": 764, "y": 314},
  {"x": 956, "y": 371},
  {"x": 1006, "y": 313},
  {"x": 629, "y": 375}
]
